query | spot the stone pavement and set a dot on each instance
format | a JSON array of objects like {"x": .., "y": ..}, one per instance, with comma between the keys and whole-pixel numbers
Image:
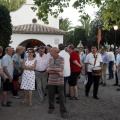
[{"x": 107, "y": 108}]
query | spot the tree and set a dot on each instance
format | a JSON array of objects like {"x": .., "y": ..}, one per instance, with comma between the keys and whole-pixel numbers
[
  {"x": 110, "y": 9},
  {"x": 110, "y": 13},
  {"x": 55, "y": 7},
  {"x": 5, "y": 26},
  {"x": 86, "y": 25},
  {"x": 65, "y": 24},
  {"x": 12, "y": 5}
]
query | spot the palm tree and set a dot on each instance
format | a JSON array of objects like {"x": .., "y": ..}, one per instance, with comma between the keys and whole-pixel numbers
[
  {"x": 65, "y": 24},
  {"x": 86, "y": 25}
]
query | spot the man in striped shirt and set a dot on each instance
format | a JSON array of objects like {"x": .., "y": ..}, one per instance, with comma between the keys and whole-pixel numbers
[{"x": 56, "y": 79}]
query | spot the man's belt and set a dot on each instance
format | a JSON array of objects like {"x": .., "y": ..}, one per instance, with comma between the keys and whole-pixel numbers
[{"x": 40, "y": 71}]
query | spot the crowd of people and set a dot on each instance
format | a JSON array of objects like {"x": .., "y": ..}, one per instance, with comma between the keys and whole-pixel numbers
[{"x": 48, "y": 69}]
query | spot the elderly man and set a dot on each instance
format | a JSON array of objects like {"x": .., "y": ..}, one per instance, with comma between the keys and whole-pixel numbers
[
  {"x": 56, "y": 79},
  {"x": 7, "y": 65},
  {"x": 40, "y": 72},
  {"x": 105, "y": 62}
]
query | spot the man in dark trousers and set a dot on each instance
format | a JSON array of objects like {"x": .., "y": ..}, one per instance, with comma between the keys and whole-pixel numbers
[{"x": 89, "y": 64}]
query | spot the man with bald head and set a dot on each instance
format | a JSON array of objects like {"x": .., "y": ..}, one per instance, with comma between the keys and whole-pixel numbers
[{"x": 56, "y": 79}]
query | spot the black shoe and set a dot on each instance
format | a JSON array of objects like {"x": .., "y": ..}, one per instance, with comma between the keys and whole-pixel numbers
[
  {"x": 68, "y": 95},
  {"x": 118, "y": 89},
  {"x": 104, "y": 84},
  {"x": 86, "y": 94},
  {"x": 6, "y": 105},
  {"x": 57, "y": 102},
  {"x": 57, "y": 98},
  {"x": 45, "y": 94},
  {"x": 95, "y": 97},
  {"x": 100, "y": 83},
  {"x": 115, "y": 84}
]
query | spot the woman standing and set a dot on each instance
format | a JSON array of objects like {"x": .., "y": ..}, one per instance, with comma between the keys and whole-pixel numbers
[{"x": 28, "y": 77}]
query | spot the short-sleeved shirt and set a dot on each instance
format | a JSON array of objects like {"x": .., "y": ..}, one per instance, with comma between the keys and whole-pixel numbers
[
  {"x": 90, "y": 60},
  {"x": 66, "y": 57},
  {"x": 74, "y": 56},
  {"x": 18, "y": 62},
  {"x": 7, "y": 61}
]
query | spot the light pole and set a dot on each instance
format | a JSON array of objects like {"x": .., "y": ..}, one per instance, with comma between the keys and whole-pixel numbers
[{"x": 115, "y": 28}]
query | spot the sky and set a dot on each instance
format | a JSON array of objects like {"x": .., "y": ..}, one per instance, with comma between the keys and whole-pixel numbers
[{"x": 73, "y": 14}]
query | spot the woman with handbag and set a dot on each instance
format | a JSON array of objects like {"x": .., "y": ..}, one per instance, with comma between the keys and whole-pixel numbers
[{"x": 28, "y": 76}]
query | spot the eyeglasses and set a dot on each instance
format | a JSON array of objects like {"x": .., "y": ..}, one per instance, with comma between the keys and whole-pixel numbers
[{"x": 30, "y": 52}]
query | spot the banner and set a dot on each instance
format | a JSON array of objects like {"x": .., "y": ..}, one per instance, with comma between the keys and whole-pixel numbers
[{"x": 99, "y": 35}]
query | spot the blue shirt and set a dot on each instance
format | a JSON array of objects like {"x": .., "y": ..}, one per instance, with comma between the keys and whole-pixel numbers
[
  {"x": 105, "y": 58},
  {"x": 117, "y": 59},
  {"x": 83, "y": 58}
]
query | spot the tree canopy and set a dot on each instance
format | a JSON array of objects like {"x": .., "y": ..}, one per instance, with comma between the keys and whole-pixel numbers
[
  {"x": 12, "y": 5},
  {"x": 5, "y": 26},
  {"x": 110, "y": 9}
]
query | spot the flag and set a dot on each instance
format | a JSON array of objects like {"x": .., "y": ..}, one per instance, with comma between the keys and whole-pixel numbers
[{"x": 99, "y": 35}]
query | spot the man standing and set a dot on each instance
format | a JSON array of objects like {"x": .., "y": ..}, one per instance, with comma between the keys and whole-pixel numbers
[
  {"x": 117, "y": 63},
  {"x": 66, "y": 71},
  {"x": 105, "y": 62},
  {"x": 111, "y": 63},
  {"x": 56, "y": 79},
  {"x": 40, "y": 72},
  {"x": 7, "y": 65},
  {"x": 75, "y": 72},
  {"x": 89, "y": 63}
]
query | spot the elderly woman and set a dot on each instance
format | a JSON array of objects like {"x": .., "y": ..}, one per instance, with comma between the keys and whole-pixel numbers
[{"x": 17, "y": 61}]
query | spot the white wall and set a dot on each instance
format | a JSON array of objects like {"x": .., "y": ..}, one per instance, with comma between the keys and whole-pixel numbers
[
  {"x": 46, "y": 39},
  {"x": 25, "y": 14}
]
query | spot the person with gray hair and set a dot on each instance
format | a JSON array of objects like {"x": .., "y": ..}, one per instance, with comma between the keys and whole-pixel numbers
[
  {"x": 56, "y": 79},
  {"x": 40, "y": 72},
  {"x": 7, "y": 66}
]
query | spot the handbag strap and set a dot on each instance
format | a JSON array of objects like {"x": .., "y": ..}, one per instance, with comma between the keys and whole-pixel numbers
[{"x": 95, "y": 60}]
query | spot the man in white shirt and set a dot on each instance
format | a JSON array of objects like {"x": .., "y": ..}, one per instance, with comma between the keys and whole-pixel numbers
[
  {"x": 89, "y": 64},
  {"x": 111, "y": 58},
  {"x": 7, "y": 66},
  {"x": 66, "y": 71},
  {"x": 40, "y": 72}
]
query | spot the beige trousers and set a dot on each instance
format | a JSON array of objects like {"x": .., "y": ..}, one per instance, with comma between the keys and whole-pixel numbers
[{"x": 103, "y": 80}]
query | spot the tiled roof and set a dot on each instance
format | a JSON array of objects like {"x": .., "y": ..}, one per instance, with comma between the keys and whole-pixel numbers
[{"x": 36, "y": 29}]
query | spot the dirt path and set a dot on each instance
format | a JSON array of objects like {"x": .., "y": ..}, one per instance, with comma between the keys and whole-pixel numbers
[{"x": 107, "y": 108}]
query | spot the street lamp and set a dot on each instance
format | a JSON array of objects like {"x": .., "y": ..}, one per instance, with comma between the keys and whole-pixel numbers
[{"x": 115, "y": 28}]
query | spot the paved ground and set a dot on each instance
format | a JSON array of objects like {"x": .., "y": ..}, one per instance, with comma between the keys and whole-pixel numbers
[{"x": 107, "y": 108}]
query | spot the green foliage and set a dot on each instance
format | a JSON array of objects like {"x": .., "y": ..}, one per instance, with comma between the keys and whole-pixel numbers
[
  {"x": 74, "y": 37},
  {"x": 65, "y": 24},
  {"x": 110, "y": 9},
  {"x": 12, "y": 5},
  {"x": 5, "y": 26},
  {"x": 110, "y": 13},
  {"x": 55, "y": 7},
  {"x": 86, "y": 25}
]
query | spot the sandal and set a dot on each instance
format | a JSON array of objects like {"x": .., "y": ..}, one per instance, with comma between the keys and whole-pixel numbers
[
  {"x": 76, "y": 98},
  {"x": 30, "y": 104}
]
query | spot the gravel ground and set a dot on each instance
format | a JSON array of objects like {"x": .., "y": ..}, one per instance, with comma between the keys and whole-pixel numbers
[{"x": 86, "y": 108}]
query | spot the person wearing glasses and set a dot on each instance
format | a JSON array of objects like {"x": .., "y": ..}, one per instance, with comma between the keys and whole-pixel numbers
[{"x": 28, "y": 76}]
